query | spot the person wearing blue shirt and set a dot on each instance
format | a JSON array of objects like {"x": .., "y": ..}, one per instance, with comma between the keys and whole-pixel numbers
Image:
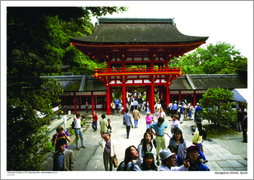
[
  {"x": 181, "y": 113},
  {"x": 160, "y": 129},
  {"x": 195, "y": 160},
  {"x": 117, "y": 104},
  {"x": 197, "y": 110},
  {"x": 174, "y": 108}
]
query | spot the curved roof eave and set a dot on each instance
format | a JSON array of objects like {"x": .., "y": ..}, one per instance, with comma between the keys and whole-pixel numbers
[{"x": 108, "y": 33}]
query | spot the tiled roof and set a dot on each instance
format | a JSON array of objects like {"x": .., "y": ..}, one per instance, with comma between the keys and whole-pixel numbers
[
  {"x": 180, "y": 83},
  {"x": 82, "y": 83},
  {"x": 79, "y": 83},
  {"x": 137, "y": 30},
  {"x": 227, "y": 81},
  {"x": 93, "y": 84}
]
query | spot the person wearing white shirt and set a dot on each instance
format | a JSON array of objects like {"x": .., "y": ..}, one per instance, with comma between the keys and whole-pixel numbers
[
  {"x": 135, "y": 103},
  {"x": 78, "y": 131},
  {"x": 174, "y": 123},
  {"x": 157, "y": 105}
]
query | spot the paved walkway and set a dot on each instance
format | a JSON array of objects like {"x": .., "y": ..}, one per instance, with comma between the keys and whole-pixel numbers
[{"x": 222, "y": 155}]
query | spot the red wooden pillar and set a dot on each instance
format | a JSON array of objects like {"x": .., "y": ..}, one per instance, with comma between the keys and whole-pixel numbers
[
  {"x": 194, "y": 99},
  {"x": 124, "y": 95},
  {"x": 167, "y": 94},
  {"x": 75, "y": 103},
  {"x": 92, "y": 102},
  {"x": 108, "y": 100},
  {"x": 152, "y": 98},
  {"x": 110, "y": 92}
]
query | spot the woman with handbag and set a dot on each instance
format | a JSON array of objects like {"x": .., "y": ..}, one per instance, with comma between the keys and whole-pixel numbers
[{"x": 108, "y": 151}]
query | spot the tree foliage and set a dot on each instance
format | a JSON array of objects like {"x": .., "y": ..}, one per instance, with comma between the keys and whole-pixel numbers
[
  {"x": 217, "y": 106},
  {"x": 221, "y": 58},
  {"x": 37, "y": 41}
]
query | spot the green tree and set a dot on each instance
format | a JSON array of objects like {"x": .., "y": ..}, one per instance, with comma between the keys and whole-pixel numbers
[
  {"x": 221, "y": 58},
  {"x": 37, "y": 40},
  {"x": 217, "y": 106}
]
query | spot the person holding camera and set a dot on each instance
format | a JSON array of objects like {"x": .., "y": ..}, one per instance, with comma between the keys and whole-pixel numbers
[
  {"x": 60, "y": 134},
  {"x": 108, "y": 151}
]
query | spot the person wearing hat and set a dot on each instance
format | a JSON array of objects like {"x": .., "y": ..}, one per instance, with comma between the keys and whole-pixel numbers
[
  {"x": 195, "y": 160},
  {"x": 149, "y": 119},
  {"x": 108, "y": 151},
  {"x": 179, "y": 160},
  {"x": 148, "y": 162},
  {"x": 168, "y": 162}
]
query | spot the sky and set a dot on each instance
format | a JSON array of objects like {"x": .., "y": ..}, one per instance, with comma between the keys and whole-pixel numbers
[
  {"x": 229, "y": 21},
  {"x": 222, "y": 21}
]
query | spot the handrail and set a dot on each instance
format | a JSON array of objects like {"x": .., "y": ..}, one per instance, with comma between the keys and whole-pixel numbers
[{"x": 134, "y": 69}]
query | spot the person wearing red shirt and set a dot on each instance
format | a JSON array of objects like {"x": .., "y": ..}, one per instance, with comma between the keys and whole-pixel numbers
[{"x": 94, "y": 124}]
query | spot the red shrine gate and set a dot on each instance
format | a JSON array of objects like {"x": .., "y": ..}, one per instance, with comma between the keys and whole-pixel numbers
[{"x": 131, "y": 41}]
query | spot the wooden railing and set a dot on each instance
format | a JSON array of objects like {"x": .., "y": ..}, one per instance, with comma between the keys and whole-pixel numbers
[{"x": 137, "y": 70}]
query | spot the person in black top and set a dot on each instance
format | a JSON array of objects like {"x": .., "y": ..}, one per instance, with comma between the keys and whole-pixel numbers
[
  {"x": 245, "y": 127},
  {"x": 239, "y": 120}
]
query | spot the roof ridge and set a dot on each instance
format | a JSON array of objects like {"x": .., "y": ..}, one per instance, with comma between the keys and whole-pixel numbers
[
  {"x": 135, "y": 20},
  {"x": 190, "y": 81},
  {"x": 82, "y": 84}
]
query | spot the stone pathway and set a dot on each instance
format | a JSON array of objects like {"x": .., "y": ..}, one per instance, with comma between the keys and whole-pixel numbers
[{"x": 222, "y": 155}]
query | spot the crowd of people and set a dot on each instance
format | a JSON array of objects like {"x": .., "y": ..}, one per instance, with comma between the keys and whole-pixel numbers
[{"x": 153, "y": 153}]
